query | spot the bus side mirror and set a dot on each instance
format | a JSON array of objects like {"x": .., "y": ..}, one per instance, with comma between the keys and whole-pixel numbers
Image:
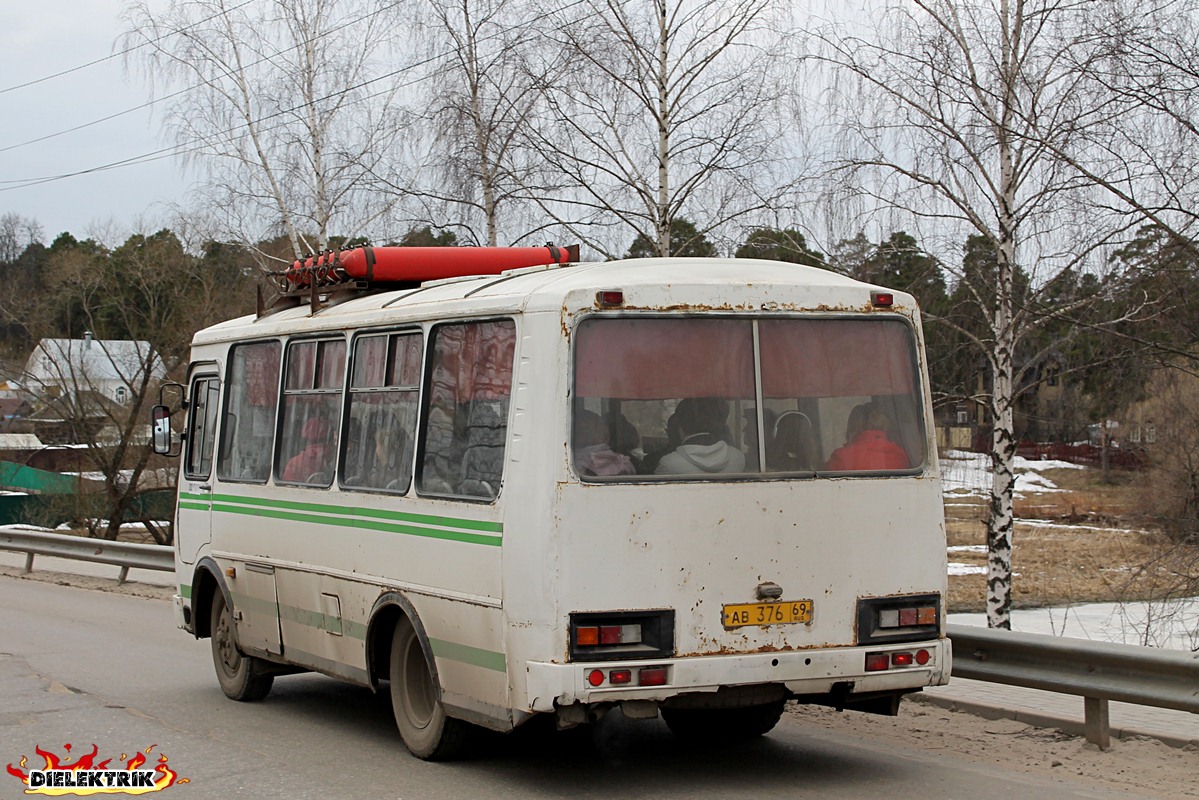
[{"x": 162, "y": 441}]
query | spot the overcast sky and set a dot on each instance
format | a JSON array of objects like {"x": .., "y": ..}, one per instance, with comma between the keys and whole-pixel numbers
[{"x": 40, "y": 38}]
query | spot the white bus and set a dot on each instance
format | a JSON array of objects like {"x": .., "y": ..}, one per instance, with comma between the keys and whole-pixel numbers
[{"x": 693, "y": 487}]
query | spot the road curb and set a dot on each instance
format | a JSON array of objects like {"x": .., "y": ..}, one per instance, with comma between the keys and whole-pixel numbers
[{"x": 1038, "y": 719}]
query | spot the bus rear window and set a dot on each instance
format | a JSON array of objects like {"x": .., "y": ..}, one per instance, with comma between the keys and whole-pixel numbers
[{"x": 693, "y": 398}]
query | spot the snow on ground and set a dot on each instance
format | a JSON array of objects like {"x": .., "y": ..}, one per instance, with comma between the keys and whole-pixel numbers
[
  {"x": 964, "y": 474},
  {"x": 1170, "y": 624}
]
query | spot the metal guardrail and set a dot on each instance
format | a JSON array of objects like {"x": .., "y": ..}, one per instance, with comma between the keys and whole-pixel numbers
[
  {"x": 126, "y": 555},
  {"x": 1096, "y": 671}
]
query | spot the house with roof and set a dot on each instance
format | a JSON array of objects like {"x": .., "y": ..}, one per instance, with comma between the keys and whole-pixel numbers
[
  {"x": 80, "y": 386},
  {"x": 112, "y": 369}
]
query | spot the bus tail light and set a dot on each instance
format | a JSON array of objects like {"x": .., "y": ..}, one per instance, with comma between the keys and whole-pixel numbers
[
  {"x": 878, "y": 662},
  {"x": 907, "y": 618},
  {"x": 651, "y": 676},
  {"x": 604, "y": 636}
]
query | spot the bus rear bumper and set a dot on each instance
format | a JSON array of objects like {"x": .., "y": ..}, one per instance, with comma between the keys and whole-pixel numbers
[{"x": 801, "y": 672}]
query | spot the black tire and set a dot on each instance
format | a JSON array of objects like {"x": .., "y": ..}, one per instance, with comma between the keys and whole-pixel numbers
[
  {"x": 721, "y": 725},
  {"x": 242, "y": 677},
  {"x": 427, "y": 731}
]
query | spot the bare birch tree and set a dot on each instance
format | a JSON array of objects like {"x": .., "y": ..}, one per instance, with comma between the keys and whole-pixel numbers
[
  {"x": 16, "y": 234},
  {"x": 667, "y": 113},
  {"x": 488, "y": 61},
  {"x": 283, "y": 105},
  {"x": 962, "y": 111}
]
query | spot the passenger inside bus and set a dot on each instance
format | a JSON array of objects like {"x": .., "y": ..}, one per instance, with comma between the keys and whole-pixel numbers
[
  {"x": 792, "y": 446},
  {"x": 704, "y": 447},
  {"x": 311, "y": 465},
  {"x": 868, "y": 445},
  {"x": 391, "y": 467},
  {"x": 592, "y": 453}
]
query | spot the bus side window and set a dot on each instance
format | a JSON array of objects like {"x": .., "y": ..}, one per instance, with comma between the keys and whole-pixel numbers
[
  {"x": 248, "y": 428},
  {"x": 307, "y": 451},
  {"x": 201, "y": 431},
  {"x": 381, "y": 429},
  {"x": 466, "y": 425}
]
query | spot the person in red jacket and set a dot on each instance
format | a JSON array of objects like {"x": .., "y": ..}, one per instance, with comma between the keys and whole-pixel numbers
[{"x": 868, "y": 446}]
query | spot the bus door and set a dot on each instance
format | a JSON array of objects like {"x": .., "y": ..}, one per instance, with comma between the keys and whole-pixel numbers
[{"x": 195, "y": 485}]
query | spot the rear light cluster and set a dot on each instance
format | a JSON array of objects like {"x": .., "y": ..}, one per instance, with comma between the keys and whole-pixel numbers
[
  {"x": 645, "y": 676},
  {"x": 610, "y": 635},
  {"x": 591, "y": 635},
  {"x": 911, "y": 618},
  {"x": 907, "y": 617},
  {"x": 877, "y": 662}
]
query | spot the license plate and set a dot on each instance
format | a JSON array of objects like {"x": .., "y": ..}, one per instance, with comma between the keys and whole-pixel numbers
[{"x": 781, "y": 612}]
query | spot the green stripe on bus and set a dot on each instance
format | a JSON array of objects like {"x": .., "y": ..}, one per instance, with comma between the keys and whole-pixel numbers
[
  {"x": 471, "y": 531},
  {"x": 323, "y": 622},
  {"x": 326, "y": 508},
  {"x": 466, "y": 654},
  {"x": 352, "y": 522}
]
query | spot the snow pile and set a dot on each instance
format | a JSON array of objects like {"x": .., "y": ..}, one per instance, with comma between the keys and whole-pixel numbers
[{"x": 969, "y": 474}]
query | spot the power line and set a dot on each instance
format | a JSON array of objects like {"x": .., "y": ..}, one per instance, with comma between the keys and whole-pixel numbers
[
  {"x": 198, "y": 146},
  {"x": 158, "y": 100},
  {"x": 127, "y": 50}
]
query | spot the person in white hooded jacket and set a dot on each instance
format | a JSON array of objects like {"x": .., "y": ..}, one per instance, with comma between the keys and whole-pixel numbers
[{"x": 704, "y": 449}]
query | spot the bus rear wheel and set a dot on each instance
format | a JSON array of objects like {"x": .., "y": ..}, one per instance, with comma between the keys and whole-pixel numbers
[
  {"x": 722, "y": 724},
  {"x": 241, "y": 677},
  {"x": 427, "y": 731}
]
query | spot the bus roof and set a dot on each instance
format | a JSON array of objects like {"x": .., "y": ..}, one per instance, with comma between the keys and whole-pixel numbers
[{"x": 675, "y": 284}]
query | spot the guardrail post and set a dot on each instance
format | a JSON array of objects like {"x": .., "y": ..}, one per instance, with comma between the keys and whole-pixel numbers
[
  {"x": 29, "y": 562},
  {"x": 124, "y": 574},
  {"x": 1095, "y": 722}
]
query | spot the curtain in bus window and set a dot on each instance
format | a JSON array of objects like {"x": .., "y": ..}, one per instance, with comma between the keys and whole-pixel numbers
[
  {"x": 467, "y": 423},
  {"x": 248, "y": 426},
  {"x": 664, "y": 358},
  {"x": 827, "y": 357}
]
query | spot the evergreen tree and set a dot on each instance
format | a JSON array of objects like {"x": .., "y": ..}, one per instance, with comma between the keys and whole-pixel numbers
[
  {"x": 780, "y": 245},
  {"x": 685, "y": 240}
]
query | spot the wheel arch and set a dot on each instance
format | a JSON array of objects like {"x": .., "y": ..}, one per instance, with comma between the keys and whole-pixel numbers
[
  {"x": 207, "y": 580},
  {"x": 389, "y": 608}
]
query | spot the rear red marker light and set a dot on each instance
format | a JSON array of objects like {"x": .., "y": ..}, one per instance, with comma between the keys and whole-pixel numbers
[
  {"x": 652, "y": 676},
  {"x": 609, "y": 297},
  {"x": 922, "y": 657},
  {"x": 882, "y": 299},
  {"x": 901, "y": 659},
  {"x": 595, "y": 677},
  {"x": 877, "y": 662},
  {"x": 620, "y": 676},
  {"x": 609, "y": 634}
]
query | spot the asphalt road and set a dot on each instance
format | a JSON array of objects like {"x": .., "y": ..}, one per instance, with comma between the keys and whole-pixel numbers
[{"x": 86, "y": 667}]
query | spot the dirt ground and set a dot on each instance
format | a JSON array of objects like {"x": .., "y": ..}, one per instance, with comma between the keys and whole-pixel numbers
[
  {"x": 1086, "y": 544},
  {"x": 1145, "y": 766}
]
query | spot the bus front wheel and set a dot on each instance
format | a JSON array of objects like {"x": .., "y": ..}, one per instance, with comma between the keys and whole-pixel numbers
[
  {"x": 424, "y": 726},
  {"x": 241, "y": 677},
  {"x": 722, "y": 724}
]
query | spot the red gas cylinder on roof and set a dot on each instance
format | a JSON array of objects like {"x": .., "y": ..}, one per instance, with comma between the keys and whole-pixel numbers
[{"x": 418, "y": 264}]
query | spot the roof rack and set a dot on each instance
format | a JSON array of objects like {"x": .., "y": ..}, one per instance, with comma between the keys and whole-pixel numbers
[{"x": 338, "y": 275}]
